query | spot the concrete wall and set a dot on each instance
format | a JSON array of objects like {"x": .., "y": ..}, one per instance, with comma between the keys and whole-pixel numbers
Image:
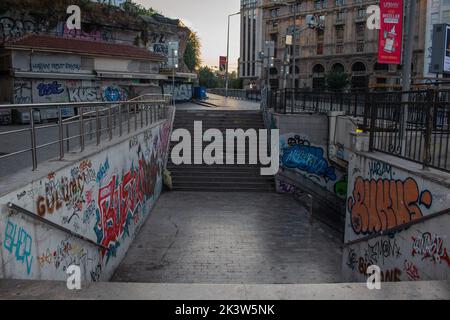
[
  {"x": 312, "y": 157},
  {"x": 384, "y": 193},
  {"x": 105, "y": 197}
]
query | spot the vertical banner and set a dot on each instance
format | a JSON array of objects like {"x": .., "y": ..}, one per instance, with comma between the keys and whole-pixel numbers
[
  {"x": 391, "y": 32},
  {"x": 222, "y": 65}
]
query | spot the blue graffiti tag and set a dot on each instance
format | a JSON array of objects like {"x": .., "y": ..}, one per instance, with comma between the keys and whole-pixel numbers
[
  {"x": 113, "y": 94},
  {"x": 21, "y": 241},
  {"x": 309, "y": 159},
  {"x": 49, "y": 89}
]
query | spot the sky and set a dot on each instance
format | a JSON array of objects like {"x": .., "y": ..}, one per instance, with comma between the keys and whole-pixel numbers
[{"x": 209, "y": 19}]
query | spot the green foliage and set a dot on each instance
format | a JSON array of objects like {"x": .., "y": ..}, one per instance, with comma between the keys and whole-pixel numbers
[
  {"x": 208, "y": 78},
  {"x": 337, "y": 80},
  {"x": 192, "y": 53},
  {"x": 137, "y": 9},
  {"x": 234, "y": 81}
]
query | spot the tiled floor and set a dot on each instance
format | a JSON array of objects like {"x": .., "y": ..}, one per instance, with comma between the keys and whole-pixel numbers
[{"x": 231, "y": 238}]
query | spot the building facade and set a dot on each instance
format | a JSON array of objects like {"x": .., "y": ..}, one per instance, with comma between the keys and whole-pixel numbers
[
  {"x": 342, "y": 43},
  {"x": 250, "y": 66}
]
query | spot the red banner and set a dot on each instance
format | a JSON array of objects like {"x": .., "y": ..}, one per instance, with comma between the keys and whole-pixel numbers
[
  {"x": 391, "y": 32},
  {"x": 222, "y": 64}
]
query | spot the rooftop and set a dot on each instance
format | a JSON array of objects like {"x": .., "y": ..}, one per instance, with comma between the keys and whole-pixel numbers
[{"x": 89, "y": 47}]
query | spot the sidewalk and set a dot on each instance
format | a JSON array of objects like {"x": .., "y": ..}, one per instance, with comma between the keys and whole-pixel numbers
[{"x": 221, "y": 103}]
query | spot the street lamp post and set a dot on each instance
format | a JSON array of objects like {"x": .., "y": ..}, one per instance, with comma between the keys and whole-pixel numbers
[{"x": 228, "y": 53}]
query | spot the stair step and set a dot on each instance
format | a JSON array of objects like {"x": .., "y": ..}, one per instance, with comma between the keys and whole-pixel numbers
[
  {"x": 221, "y": 189},
  {"x": 177, "y": 179}
]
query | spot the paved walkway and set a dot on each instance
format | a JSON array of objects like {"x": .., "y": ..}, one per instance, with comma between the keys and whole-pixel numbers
[
  {"x": 221, "y": 103},
  {"x": 231, "y": 238},
  {"x": 48, "y": 290}
]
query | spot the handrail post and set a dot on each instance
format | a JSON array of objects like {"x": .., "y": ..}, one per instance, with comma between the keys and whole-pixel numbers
[
  {"x": 110, "y": 123},
  {"x": 120, "y": 120},
  {"x": 81, "y": 129},
  {"x": 98, "y": 127},
  {"x": 428, "y": 129},
  {"x": 135, "y": 118},
  {"x": 61, "y": 134},
  {"x": 33, "y": 140},
  {"x": 128, "y": 118}
]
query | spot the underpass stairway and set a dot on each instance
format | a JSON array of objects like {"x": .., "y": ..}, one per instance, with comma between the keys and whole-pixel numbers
[{"x": 217, "y": 177}]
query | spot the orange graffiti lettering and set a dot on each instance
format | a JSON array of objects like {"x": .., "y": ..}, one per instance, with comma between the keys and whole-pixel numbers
[{"x": 379, "y": 205}]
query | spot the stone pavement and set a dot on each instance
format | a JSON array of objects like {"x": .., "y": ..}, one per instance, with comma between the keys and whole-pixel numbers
[
  {"x": 231, "y": 238},
  {"x": 48, "y": 290}
]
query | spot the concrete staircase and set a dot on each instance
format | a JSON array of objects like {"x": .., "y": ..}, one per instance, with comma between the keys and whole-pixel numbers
[{"x": 232, "y": 178}]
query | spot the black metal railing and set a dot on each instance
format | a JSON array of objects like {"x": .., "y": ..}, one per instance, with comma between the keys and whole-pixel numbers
[
  {"x": 250, "y": 95},
  {"x": 292, "y": 101},
  {"x": 412, "y": 125}
]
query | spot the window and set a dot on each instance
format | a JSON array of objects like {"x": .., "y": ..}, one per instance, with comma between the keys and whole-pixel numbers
[
  {"x": 340, "y": 48},
  {"x": 446, "y": 16},
  {"x": 360, "y": 30},
  {"x": 339, "y": 32},
  {"x": 320, "y": 4},
  {"x": 274, "y": 13},
  {"x": 340, "y": 16},
  {"x": 339, "y": 3},
  {"x": 360, "y": 46},
  {"x": 361, "y": 13},
  {"x": 319, "y": 48}
]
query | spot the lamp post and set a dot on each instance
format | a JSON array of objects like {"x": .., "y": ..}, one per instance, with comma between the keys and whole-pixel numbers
[{"x": 228, "y": 53}]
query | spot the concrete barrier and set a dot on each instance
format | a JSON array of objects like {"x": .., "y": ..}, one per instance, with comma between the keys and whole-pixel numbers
[
  {"x": 104, "y": 196},
  {"x": 398, "y": 219}
]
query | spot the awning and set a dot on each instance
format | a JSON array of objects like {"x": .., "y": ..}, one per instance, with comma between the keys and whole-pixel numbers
[
  {"x": 47, "y": 75},
  {"x": 130, "y": 75}
]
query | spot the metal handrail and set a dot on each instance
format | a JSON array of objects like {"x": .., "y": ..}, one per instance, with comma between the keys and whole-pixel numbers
[
  {"x": 30, "y": 214},
  {"x": 143, "y": 107},
  {"x": 81, "y": 104},
  {"x": 399, "y": 228}
]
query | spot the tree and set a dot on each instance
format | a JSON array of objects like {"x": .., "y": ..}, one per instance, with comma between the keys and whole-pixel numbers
[
  {"x": 192, "y": 53},
  {"x": 337, "y": 80},
  {"x": 208, "y": 78},
  {"x": 234, "y": 81}
]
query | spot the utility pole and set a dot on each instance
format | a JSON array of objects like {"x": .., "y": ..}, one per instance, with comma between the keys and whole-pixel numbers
[
  {"x": 294, "y": 33},
  {"x": 407, "y": 62},
  {"x": 228, "y": 54}
]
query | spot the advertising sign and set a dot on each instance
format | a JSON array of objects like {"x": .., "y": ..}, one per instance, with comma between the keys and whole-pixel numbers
[
  {"x": 222, "y": 65},
  {"x": 391, "y": 32},
  {"x": 447, "y": 50}
]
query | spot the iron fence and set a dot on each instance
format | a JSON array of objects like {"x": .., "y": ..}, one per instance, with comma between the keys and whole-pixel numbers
[
  {"x": 94, "y": 123},
  {"x": 412, "y": 125},
  {"x": 251, "y": 95},
  {"x": 291, "y": 101}
]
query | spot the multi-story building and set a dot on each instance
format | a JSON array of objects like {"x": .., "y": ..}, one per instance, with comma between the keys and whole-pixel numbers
[
  {"x": 250, "y": 68},
  {"x": 438, "y": 11},
  {"x": 343, "y": 43}
]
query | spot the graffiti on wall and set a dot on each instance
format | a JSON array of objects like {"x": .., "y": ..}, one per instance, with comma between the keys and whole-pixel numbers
[
  {"x": 22, "y": 92},
  {"x": 183, "y": 91},
  {"x": 430, "y": 248},
  {"x": 84, "y": 94},
  {"x": 95, "y": 34},
  {"x": 119, "y": 201},
  {"x": 380, "y": 204},
  {"x": 11, "y": 28},
  {"x": 104, "y": 198},
  {"x": 298, "y": 153},
  {"x": 114, "y": 93},
  {"x": 18, "y": 242}
]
